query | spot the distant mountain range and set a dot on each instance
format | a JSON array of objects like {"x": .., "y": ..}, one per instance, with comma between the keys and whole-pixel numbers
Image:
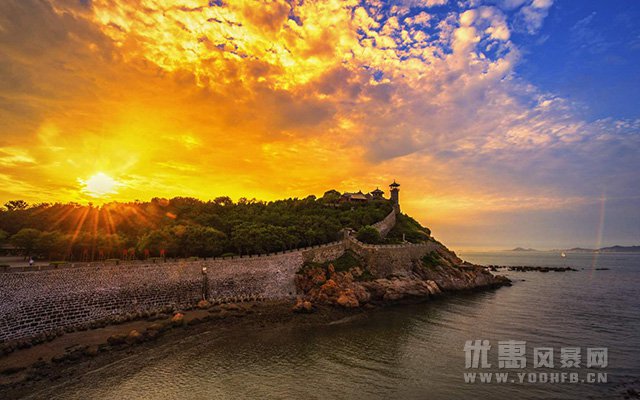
[{"x": 611, "y": 249}]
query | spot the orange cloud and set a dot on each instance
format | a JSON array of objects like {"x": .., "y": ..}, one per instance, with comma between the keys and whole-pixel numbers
[{"x": 279, "y": 98}]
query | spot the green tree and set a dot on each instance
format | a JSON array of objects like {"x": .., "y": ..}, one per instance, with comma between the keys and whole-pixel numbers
[
  {"x": 52, "y": 245},
  {"x": 202, "y": 241},
  {"x": 3, "y": 236},
  {"x": 188, "y": 226},
  {"x": 157, "y": 240},
  {"x": 14, "y": 205},
  {"x": 331, "y": 196},
  {"x": 26, "y": 240},
  {"x": 409, "y": 229},
  {"x": 223, "y": 201},
  {"x": 368, "y": 234}
]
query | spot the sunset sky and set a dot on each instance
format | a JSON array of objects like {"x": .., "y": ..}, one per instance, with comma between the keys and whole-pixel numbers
[{"x": 507, "y": 122}]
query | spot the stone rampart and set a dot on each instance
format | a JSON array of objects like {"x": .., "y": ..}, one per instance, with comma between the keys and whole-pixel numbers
[
  {"x": 36, "y": 301},
  {"x": 386, "y": 224},
  {"x": 41, "y": 299},
  {"x": 391, "y": 260}
]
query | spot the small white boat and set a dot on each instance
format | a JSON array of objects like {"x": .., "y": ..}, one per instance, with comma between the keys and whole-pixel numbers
[{"x": 563, "y": 255}]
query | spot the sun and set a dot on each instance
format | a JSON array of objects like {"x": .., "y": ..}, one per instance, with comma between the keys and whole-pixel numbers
[{"x": 99, "y": 185}]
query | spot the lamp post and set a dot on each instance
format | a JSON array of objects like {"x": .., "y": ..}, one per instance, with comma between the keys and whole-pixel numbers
[{"x": 205, "y": 284}]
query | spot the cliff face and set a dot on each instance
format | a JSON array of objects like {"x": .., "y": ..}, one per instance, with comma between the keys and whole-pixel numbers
[{"x": 350, "y": 282}]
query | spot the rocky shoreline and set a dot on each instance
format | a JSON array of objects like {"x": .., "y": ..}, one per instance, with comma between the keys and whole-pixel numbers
[
  {"x": 327, "y": 293},
  {"x": 350, "y": 284}
]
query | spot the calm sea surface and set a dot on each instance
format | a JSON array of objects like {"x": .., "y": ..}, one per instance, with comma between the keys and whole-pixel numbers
[{"x": 410, "y": 352}]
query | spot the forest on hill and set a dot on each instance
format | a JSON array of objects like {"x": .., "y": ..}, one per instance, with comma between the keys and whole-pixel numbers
[{"x": 183, "y": 227}]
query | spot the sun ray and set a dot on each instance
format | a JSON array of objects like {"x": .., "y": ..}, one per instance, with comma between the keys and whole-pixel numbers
[
  {"x": 62, "y": 215},
  {"x": 139, "y": 214},
  {"x": 94, "y": 231},
  {"x": 77, "y": 230}
]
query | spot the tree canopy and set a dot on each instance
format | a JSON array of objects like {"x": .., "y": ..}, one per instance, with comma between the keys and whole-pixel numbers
[{"x": 182, "y": 226}]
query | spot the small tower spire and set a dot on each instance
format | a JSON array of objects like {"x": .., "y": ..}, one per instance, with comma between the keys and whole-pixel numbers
[{"x": 395, "y": 193}]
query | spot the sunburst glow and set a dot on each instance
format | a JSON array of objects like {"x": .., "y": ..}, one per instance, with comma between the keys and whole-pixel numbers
[{"x": 99, "y": 185}]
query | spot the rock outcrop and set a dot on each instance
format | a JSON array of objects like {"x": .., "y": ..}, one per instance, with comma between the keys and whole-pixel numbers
[
  {"x": 438, "y": 272},
  {"x": 461, "y": 277},
  {"x": 401, "y": 288}
]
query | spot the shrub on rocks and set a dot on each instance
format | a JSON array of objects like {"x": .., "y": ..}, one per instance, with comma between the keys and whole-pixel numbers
[{"x": 369, "y": 234}]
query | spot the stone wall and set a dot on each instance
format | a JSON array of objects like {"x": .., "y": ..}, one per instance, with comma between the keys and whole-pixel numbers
[
  {"x": 386, "y": 224},
  {"x": 32, "y": 302},
  {"x": 36, "y": 301},
  {"x": 324, "y": 253},
  {"x": 264, "y": 276},
  {"x": 391, "y": 260}
]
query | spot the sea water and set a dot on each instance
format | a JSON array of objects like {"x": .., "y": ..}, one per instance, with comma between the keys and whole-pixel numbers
[{"x": 413, "y": 352}]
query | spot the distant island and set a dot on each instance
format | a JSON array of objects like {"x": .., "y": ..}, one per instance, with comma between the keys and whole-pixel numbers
[
  {"x": 522, "y": 249},
  {"x": 610, "y": 249}
]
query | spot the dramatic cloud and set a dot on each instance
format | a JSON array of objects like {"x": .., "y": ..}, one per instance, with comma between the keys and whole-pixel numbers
[{"x": 278, "y": 98}]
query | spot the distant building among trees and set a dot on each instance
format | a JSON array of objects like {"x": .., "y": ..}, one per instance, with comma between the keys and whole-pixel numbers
[{"x": 360, "y": 197}]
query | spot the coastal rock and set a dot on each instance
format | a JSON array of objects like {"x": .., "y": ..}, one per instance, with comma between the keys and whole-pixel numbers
[
  {"x": 438, "y": 271},
  {"x": 460, "y": 277},
  {"x": 400, "y": 288},
  {"x": 329, "y": 291},
  {"x": 178, "y": 319},
  {"x": 311, "y": 278},
  {"x": 303, "y": 306},
  {"x": 318, "y": 276},
  {"x": 361, "y": 294},
  {"x": 356, "y": 272},
  {"x": 134, "y": 337},
  {"x": 157, "y": 326},
  {"x": 203, "y": 304},
  {"x": 348, "y": 299},
  {"x": 117, "y": 339},
  {"x": 433, "y": 287}
]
